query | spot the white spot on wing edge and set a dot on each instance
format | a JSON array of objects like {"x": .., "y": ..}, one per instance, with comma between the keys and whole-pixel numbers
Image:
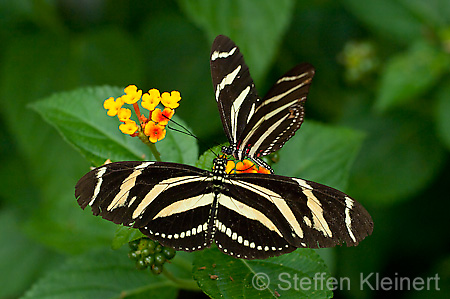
[
  {"x": 348, "y": 219},
  {"x": 247, "y": 211}
]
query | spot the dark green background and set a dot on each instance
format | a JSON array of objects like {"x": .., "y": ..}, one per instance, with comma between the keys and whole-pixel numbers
[{"x": 382, "y": 69}]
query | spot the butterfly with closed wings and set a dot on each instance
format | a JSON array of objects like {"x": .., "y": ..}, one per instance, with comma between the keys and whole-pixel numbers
[{"x": 256, "y": 127}]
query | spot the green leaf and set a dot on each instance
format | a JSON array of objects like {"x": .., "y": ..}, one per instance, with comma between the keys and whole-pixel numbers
[
  {"x": 12, "y": 175},
  {"x": 436, "y": 281},
  {"x": 23, "y": 261},
  {"x": 411, "y": 74},
  {"x": 186, "y": 70},
  {"x": 80, "y": 118},
  {"x": 205, "y": 161},
  {"x": 124, "y": 235},
  {"x": 436, "y": 13},
  {"x": 398, "y": 158},
  {"x": 101, "y": 274},
  {"x": 388, "y": 18},
  {"x": 320, "y": 153},
  {"x": 34, "y": 66},
  {"x": 442, "y": 114},
  {"x": 297, "y": 274},
  {"x": 244, "y": 22}
]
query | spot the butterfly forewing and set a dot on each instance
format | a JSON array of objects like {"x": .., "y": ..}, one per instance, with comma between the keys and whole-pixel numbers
[
  {"x": 132, "y": 193},
  {"x": 234, "y": 89}
]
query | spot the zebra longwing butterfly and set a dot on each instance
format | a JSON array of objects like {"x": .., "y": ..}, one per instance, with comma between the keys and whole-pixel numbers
[
  {"x": 247, "y": 215},
  {"x": 256, "y": 127}
]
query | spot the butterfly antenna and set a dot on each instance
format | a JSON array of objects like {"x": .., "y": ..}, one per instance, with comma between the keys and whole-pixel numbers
[{"x": 186, "y": 131}]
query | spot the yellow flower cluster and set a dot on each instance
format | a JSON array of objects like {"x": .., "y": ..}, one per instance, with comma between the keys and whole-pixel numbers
[
  {"x": 154, "y": 125},
  {"x": 244, "y": 166}
]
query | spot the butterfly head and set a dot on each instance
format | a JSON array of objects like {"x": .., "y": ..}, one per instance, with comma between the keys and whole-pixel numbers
[{"x": 228, "y": 150}]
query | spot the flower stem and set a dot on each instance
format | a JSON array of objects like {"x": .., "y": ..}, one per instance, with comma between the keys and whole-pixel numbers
[
  {"x": 152, "y": 147},
  {"x": 137, "y": 111}
]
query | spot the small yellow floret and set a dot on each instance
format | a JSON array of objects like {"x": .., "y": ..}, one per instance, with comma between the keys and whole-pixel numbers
[
  {"x": 112, "y": 106},
  {"x": 123, "y": 114},
  {"x": 132, "y": 94},
  {"x": 171, "y": 100},
  {"x": 129, "y": 127},
  {"x": 151, "y": 99}
]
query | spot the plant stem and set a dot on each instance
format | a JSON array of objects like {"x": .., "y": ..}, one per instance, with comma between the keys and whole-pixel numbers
[
  {"x": 185, "y": 284},
  {"x": 144, "y": 139}
]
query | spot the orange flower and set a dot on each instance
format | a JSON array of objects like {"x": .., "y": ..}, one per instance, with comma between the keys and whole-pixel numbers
[
  {"x": 263, "y": 170},
  {"x": 231, "y": 167},
  {"x": 171, "y": 100},
  {"x": 162, "y": 117},
  {"x": 246, "y": 166},
  {"x": 151, "y": 99},
  {"x": 154, "y": 127},
  {"x": 154, "y": 131}
]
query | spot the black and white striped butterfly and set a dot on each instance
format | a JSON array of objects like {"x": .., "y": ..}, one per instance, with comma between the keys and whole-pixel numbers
[
  {"x": 256, "y": 127},
  {"x": 247, "y": 215}
]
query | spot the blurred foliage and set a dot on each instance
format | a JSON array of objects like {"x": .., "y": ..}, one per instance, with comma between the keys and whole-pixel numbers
[{"x": 380, "y": 102}]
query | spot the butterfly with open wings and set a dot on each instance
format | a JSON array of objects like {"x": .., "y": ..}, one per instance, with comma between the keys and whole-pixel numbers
[{"x": 251, "y": 216}]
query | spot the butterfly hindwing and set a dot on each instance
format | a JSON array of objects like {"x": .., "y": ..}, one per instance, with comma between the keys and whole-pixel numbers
[
  {"x": 318, "y": 215},
  {"x": 280, "y": 113},
  {"x": 248, "y": 226}
]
